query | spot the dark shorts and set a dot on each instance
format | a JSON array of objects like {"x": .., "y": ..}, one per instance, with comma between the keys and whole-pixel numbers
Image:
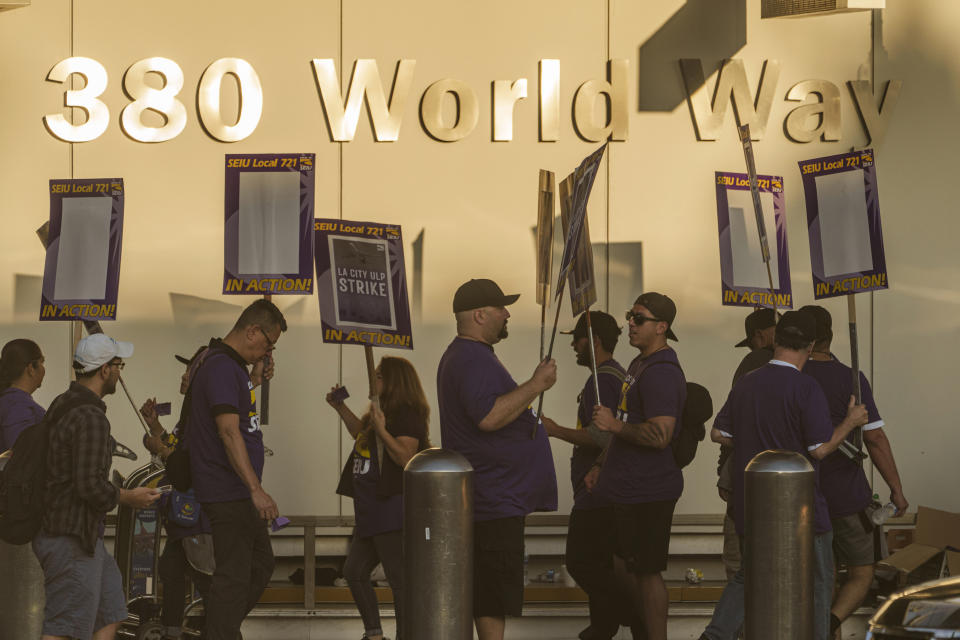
[
  {"x": 643, "y": 535},
  {"x": 84, "y": 593},
  {"x": 498, "y": 568},
  {"x": 853, "y": 540}
]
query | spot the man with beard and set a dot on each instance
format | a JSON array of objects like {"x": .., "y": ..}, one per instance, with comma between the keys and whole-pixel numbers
[
  {"x": 639, "y": 474},
  {"x": 486, "y": 416},
  {"x": 590, "y": 539},
  {"x": 84, "y": 594}
]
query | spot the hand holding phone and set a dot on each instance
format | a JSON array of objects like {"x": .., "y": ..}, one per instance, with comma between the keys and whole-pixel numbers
[{"x": 337, "y": 395}]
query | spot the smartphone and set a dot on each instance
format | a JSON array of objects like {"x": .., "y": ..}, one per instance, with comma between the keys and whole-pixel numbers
[
  {"x": 166, "y": 488},
  {"x": 163, "y": 409},
  {"x": 340, "y": 394},
  {"x": 280, "y": 523}
]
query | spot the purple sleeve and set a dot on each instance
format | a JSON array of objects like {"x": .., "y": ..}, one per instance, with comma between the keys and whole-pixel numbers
[
  {"x": 815, "y": 416},
  {"x": 662, "y": 391},
  {"x": 723, "y": 422},
  {"x": 866, "y": 396},
  {"x": 610, "y": 389},
  {"x": 221, "y": 387},
  {"x": 480, "y": 386},
  {"x": 18, "y": 417}
]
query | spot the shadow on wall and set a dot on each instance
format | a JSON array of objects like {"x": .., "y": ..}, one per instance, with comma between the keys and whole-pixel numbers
[{"x": 712, "y": 30}]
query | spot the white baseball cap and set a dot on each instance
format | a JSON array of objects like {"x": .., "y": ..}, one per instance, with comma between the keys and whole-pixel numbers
[{"x": 97, "y": 350}]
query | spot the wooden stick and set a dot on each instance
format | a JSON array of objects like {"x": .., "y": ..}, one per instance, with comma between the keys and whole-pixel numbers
[
  {"x": 371, "y": 375},
  {"x": 265, "y": 386},
  {"x": 855, "y": 368},
  {"x": 553, "y": 335},
  {"x": 593, "y": 357}
]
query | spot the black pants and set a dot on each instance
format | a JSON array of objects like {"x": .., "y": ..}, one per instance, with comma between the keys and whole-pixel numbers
[
  {"x": 362, "y": 558},
  {"x": 241, "y": 547},
  {"x": 591, "y": 539},
  {"x": 174, "y": 571}
]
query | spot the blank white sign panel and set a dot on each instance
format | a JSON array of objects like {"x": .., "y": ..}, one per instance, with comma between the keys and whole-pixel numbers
[
  {"x": 844, "y": 228},
  {"x": 749, "y": 269},
  {"x": 84, "y": 249},
  {"x": 269, "y": 222}
]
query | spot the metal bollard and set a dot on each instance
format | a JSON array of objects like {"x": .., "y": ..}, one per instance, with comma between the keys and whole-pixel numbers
[
  {"x": 778, "y": 554},
  {"x": 21, "y": 590},
  {"x": 438, "y": 547}
]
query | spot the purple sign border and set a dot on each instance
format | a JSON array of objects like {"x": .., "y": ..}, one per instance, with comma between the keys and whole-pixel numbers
[
  {"x": 862, "y": 281},
  {"x": 399, "y": 338},
  {"x": 52, "y": 309},
  {"x": 235, "y": 283},
  {"x": 734, "y": 296}
]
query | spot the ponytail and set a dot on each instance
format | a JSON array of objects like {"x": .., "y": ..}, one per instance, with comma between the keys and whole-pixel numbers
[{"x": 15, "y": 357}]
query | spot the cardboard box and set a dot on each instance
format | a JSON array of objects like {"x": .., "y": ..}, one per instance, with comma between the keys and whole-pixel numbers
[
  {"x": 935, "y": 548},
  {"x": 898, "y": 538}
]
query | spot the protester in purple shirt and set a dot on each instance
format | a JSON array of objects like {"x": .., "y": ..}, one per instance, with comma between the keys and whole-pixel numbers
[
  {"x": 223, "y": 435},
  {"x": 21, "y": 373},
  {"x": 842, "y": 479},
  {"x": 390, "y": 433},
  {"x": 639, "y": 474},
  {"x": 486, "y": 416},
  {"x": 590, "y": 535},
  {"x": 776, "y": 407}
]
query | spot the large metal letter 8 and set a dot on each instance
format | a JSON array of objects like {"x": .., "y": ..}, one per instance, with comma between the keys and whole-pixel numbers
[{"x": 163, "y": 101}]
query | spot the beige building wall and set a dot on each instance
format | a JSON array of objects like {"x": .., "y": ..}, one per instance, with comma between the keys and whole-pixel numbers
[{"x": 475, "y": 199}]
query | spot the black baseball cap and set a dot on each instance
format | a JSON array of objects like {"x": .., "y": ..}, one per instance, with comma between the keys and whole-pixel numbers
[
  {"x": 758, "y": 320},
  {"x": 798, "y": 324},
  {"x": 823, "y": 319},
  {"x": 481, "y": 292},
  {"x": 603, "y": 324},
  {"x": 662, "y": 308}
]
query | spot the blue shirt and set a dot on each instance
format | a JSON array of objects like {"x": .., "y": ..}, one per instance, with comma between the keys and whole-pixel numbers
[
  {"x": 18, "y": 411},
  {"x": 513, "y": 474},
  {"x": 631, "y": 474},
  {"x": 775, "y": 407},
  {"x": 843, "y": 481}
]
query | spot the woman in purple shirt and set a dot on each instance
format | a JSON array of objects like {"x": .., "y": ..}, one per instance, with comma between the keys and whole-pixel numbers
[
  {"x": 387, "y": 436},
  {"x": 21, "y": 373}
]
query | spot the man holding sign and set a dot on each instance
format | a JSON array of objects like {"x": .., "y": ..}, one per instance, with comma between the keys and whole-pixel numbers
[
  {"x": 226, "y": 461},
  {"x": 486, "y": 416}
]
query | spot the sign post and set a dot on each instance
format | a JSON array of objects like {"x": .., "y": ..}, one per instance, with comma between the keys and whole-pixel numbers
[{"x": 846, "y": 242}]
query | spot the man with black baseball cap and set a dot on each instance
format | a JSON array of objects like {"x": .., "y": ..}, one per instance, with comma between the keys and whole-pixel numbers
[
  {"x": 590, "y": 536},
  {"x": 777, "y": 407},
  {"x": 638, "y": 474},
  {"x": 486, "y": 416},
  {"x": 845, "y": 486},
  {"x": 758, "y": 327}
]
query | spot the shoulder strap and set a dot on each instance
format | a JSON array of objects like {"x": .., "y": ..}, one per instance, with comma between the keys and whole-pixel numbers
[{"x": 611, "y": 370}]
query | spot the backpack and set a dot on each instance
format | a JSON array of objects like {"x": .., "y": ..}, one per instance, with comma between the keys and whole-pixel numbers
[
  {"x": 23, "y": 479},
  {"x": 697, "y": 409}
]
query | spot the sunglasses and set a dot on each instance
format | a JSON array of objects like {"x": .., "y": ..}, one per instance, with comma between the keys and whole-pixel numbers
[{"x": 638, "y": 318}]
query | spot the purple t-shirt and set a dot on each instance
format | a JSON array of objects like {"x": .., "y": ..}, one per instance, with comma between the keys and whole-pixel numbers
[
  {"x": 775, "y": 407},
  {"x": 632, "y": 474},
  {"x": 583, "y": 457},
  {"x": 221, "y": 386},
  {"x": 513, "y": 474},
  {"x": 842, "y": 480},
  {"x": 374, "y": 514},
  {"x": 17, "y": 412}
]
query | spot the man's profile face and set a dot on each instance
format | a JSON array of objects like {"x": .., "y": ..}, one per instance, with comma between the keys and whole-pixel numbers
[
  {"x": 762, "y": 338},
  {"x": 581, "y": 346},
  {"x": 113, "y": 376},
  {"x": 263, "y": 341},
  {"x": 643, "y": 327},
  {"x": 495, "y": 323}
]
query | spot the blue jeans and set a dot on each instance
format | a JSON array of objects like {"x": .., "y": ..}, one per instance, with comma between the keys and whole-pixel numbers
[{"x": 728, "y": 616}]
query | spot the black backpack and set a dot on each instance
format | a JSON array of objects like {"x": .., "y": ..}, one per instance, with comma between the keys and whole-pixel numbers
[
  {"x": 23, "y": 479},
  {"x": 697, "y": 409}
]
